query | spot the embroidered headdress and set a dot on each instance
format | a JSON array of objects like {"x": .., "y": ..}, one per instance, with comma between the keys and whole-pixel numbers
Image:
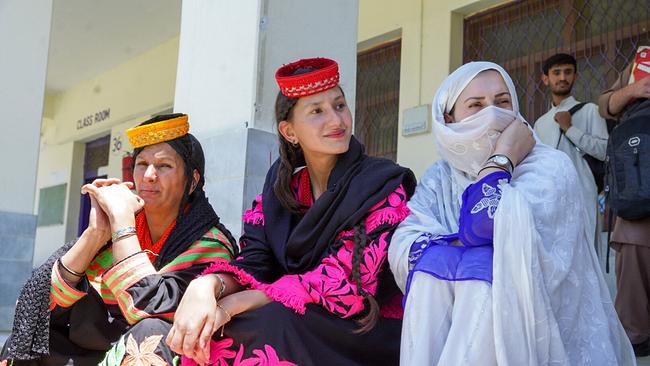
[
  {"x": 324, "y": 75},
  {"x": 162, "y": 131}
]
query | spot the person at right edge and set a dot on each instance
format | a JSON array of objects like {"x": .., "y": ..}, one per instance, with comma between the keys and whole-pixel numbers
[{"x": 631, "y": 238}]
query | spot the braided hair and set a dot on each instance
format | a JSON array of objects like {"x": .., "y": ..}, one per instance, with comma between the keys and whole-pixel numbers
[
  {"x": 368, "y": 321},
  {"x": 191, "y": 153}
]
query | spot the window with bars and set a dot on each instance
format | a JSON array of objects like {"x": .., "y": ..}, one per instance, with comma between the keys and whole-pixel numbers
[
  {"x": 603, "y": 35},
  {"x": 377, "y": 103}
]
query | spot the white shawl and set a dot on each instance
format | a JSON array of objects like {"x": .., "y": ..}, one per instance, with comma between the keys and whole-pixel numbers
[{"x": 550, "y": 302}]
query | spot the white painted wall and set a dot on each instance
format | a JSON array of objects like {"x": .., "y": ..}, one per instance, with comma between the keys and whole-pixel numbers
[
  {"x": 217, "y": 64},
  {"x": 120, "y": 145},
  {"x": 432, "y": 36},
  {"x": 54, "y": 168},
  {"x": 140, "y": 86},
  {"x": 295, "y": 29},
  {"x": 24, "y": 46}
]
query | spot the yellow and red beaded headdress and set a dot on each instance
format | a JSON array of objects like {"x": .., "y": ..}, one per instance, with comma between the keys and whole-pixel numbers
[
  {"x": 325, "y": 75},
  {"x": 157, "y": 132}
]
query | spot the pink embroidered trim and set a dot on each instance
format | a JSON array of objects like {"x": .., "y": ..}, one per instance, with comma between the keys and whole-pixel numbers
[
  {"x": 395, "y": 211},
  {"x": 277, "y": 292},
  {"x": 255, "y": 215},
  {"x": 285, "y": 295},
  {"x": 392, "y": 309},
  {"x": 240, "y": 275}
]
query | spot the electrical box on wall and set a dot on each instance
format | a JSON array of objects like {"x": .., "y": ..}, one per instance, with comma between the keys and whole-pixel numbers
[{"x": 416, "y": 120}]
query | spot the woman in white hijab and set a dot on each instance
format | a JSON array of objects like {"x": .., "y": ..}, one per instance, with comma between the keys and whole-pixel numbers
[{"x": 494, "y": 258}]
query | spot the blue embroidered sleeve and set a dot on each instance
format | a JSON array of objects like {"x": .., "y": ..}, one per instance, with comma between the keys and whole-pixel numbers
[{"x": 480, "y": 202}]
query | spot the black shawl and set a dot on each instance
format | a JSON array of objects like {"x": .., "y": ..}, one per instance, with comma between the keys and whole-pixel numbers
[{"x": 356, "y": 183}]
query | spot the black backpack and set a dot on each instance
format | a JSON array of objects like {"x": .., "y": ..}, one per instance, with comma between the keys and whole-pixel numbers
[
  {"x": 627, "y": 182},
  {"x": 628, "y": 163}
]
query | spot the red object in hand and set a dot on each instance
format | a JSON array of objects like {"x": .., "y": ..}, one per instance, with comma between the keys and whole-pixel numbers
[
  {"x": 641, "y": 68},
  {"x": 127, "y": 168}
]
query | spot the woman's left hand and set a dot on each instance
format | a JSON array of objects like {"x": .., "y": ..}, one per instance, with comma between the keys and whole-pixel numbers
[{"x": 515, "y": 142}]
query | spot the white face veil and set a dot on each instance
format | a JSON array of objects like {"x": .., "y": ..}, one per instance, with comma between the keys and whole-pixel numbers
[{"x": 467, "y": 144}]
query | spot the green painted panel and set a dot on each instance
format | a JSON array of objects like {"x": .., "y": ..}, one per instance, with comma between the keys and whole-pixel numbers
[{"x": 51, "y": 205}]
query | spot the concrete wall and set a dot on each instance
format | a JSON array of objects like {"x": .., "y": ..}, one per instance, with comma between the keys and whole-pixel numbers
[
  {"x": 23, "y": 65},
  {"x": 54, "y": 168},
  {"x": 141, "y": 86},
  {"x": 286, "y": 37}
]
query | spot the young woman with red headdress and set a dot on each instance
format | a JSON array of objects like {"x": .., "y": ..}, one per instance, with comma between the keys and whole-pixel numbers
[{"x": 312, "y": 285}]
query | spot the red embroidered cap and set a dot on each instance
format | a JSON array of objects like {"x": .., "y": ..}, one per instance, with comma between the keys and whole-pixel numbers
[{"x": 324, "y": 76}]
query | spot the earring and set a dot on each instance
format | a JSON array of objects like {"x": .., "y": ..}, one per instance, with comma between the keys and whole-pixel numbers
[{"x": 294, "y": 143}]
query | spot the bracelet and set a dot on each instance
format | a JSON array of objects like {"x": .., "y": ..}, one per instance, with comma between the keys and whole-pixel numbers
[
  {"x": 223, "y": 287},
  {"x": 227, "y": 314},
  {"x": 72, "y": 272},
  {"x": 492, "y": 167},
  {"x": 123, "y": 233},
  {"x": 127, "y": 257}
]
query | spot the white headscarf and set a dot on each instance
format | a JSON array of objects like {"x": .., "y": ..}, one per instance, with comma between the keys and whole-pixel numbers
[
  {"x": 467, "y": 144},
  {"x": 550, "y": 304}
]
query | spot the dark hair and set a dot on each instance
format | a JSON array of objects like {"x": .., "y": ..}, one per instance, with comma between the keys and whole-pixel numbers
[
  {"x": 290, "y": 158},
  {"x": 559, "y": 59},
  {"x": 191, "y": 153},
  {"x": 369, "y": 320}
]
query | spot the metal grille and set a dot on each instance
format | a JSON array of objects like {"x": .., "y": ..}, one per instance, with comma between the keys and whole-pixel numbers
[
  {"x": 377, "y": 104},
  {"x": 603, "y": 35}
]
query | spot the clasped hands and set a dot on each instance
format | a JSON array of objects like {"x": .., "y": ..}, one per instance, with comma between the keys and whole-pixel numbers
[{"x": 112, "y": 206}]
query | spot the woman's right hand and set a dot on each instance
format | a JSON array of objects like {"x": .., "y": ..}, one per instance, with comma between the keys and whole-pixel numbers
[
  {"x": 515, "y": 142},
  {"x": 197, "y": 318},
  {"x": 117, "y": 200}
]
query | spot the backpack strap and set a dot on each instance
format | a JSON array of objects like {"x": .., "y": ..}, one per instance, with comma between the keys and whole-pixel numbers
[
  {"x": 576, "y": 108},
  {"x": 571, "y": 111},
  {"x": 610, "y": 221}
]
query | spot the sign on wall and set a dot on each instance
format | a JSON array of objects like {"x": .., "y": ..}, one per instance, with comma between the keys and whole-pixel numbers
[
  {"x": 51, "y": 205},
  {"x": 93, "y": 118}
]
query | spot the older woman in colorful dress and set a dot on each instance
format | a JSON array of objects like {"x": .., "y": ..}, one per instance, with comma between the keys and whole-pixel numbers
[
  {"x": 118, "y": 286},
  {"x": 494, "y": 257},
  {"x": 312, "y": 284}
]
